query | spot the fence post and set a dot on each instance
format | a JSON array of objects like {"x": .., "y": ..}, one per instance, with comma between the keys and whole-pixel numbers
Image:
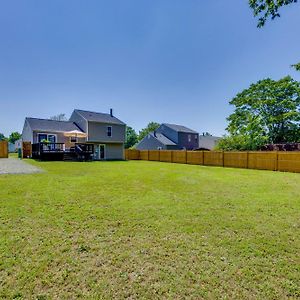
[
  {"x": 186, "y": 156},
  {"x": 147, "y": 155},
  {"x": 223, "y": 163},
  {"x": 247, "y": 166},
  {"x": 204, "y": 158},
  {"x": 158, "y": 154},
  {"x": 171, "y": 156},
  {"x": 276, "y": 162}
]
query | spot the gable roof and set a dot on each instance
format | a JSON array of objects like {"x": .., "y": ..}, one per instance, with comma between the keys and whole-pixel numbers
[
  {"x": 51, "y": 125},
  {"x": 179, "y": 128},
  {"x": 162, "y": 138},
  {"x": 99, "y": 117}
]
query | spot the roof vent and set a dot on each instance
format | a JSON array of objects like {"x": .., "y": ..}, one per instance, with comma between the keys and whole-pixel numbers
[{"x": 111, "y": 112}]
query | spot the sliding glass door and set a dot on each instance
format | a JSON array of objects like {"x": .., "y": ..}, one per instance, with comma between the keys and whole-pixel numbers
[{"x": 99, "y": 152}]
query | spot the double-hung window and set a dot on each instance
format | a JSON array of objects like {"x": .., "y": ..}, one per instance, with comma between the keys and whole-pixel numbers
[
  {"x": 109, "y": 131},
  {"x": 46, "y": 137}
]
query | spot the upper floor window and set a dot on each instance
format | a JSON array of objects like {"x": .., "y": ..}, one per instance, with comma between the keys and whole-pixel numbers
[
  {"x": 109, "y": 131},
  {"x": 189, "y": 138},
  {"x": 196, "y": 136}
]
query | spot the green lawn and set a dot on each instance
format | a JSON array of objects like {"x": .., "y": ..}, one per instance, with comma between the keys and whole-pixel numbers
[{"x": 149, "y": 230}]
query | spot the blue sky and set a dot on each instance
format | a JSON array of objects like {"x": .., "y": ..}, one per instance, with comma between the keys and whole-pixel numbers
[{"x": 161, "y": 60}]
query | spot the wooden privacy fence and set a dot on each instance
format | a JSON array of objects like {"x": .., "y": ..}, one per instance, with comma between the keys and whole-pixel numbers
[
  {"x": 3, "y": 149},
  {"x": 275, "y": 161}
]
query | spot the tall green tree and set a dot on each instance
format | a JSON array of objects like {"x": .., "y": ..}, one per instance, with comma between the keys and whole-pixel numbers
[
  {"x": 265, "y": 9},
  {"x": 3, "y": 137},
  {"x": 152, "y": 126},
  {"x": 14, "y": 136},
  {"x": 131, "y": 137},
  {"x": 269, "y": 9},
  {"x": 268, "y": 111},
  {"x": 297, "y": 66},
  {"x": 241, "y": 142}
]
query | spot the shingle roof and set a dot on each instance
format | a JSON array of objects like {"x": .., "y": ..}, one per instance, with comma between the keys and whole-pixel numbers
[
  {"x": 163, "y": 139},
  {"x": 179, "y": 128},
  {"x": 99, "y": 117},
  {"x": 51, "y": 125}
]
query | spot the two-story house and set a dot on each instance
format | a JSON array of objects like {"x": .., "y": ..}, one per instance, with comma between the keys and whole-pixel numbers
[
  {"x": 104, "y": 131},
  {"x": 170, "y": 137}
]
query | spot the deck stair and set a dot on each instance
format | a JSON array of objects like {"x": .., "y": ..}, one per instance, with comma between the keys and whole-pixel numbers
[{"x": 70, "y": 156}]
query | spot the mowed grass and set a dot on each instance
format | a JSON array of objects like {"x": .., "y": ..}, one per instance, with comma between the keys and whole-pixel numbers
[{"x": 149, "y": 230}]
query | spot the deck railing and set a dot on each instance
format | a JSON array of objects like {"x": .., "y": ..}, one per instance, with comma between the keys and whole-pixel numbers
[
  {"x": 45, "y": 151},
  {"x": 84, "y": 148},
  {"x": 52, "y": 147}
]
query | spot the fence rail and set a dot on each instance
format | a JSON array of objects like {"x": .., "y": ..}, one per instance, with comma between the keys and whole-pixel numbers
[
  {"x": 3, "y": 149},
  {"x": 260, "y": 160}
]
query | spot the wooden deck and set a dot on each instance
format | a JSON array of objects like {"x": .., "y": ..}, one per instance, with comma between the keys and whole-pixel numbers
[{"x": 58, "y": 152}]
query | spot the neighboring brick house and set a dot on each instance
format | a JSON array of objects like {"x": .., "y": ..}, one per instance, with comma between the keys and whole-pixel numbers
[
  {"x": 104, "y": 131},
  {"x": 170, "y": 137}
]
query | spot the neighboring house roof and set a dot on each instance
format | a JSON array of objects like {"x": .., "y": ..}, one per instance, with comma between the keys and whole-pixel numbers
[
  {"x": 99, "y": 117},
  {"x": 179, "y": 128},
  {"x": 163, "y": 139},
  {"x": 208, "y": 141},
  {"x": 46, "y": 125}
]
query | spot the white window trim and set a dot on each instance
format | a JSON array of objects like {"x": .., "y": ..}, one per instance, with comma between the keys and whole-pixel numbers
[
  {"x": 47, "y": 134},
  {"x": 110, "y": 131},
  {"x": 99, "y": 145}
]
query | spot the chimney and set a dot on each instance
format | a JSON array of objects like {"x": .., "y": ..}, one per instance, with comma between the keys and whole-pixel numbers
[{"x": 111, "y": 112}]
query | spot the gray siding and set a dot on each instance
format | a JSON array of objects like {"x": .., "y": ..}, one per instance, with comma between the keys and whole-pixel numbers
[
  {"x": 79, "y": 121},
  {"x": 150, "y": 143},
  {"x": 180, "y": 138},
  {"x": 60, "y": 138},
  {"x": 183, "y": 141},
  {"x": 27, "y": 133},
  {"x": 168, "y": 132},
  {"x": 97, "y": 132},
  {"x": 114, "y": 151}
]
